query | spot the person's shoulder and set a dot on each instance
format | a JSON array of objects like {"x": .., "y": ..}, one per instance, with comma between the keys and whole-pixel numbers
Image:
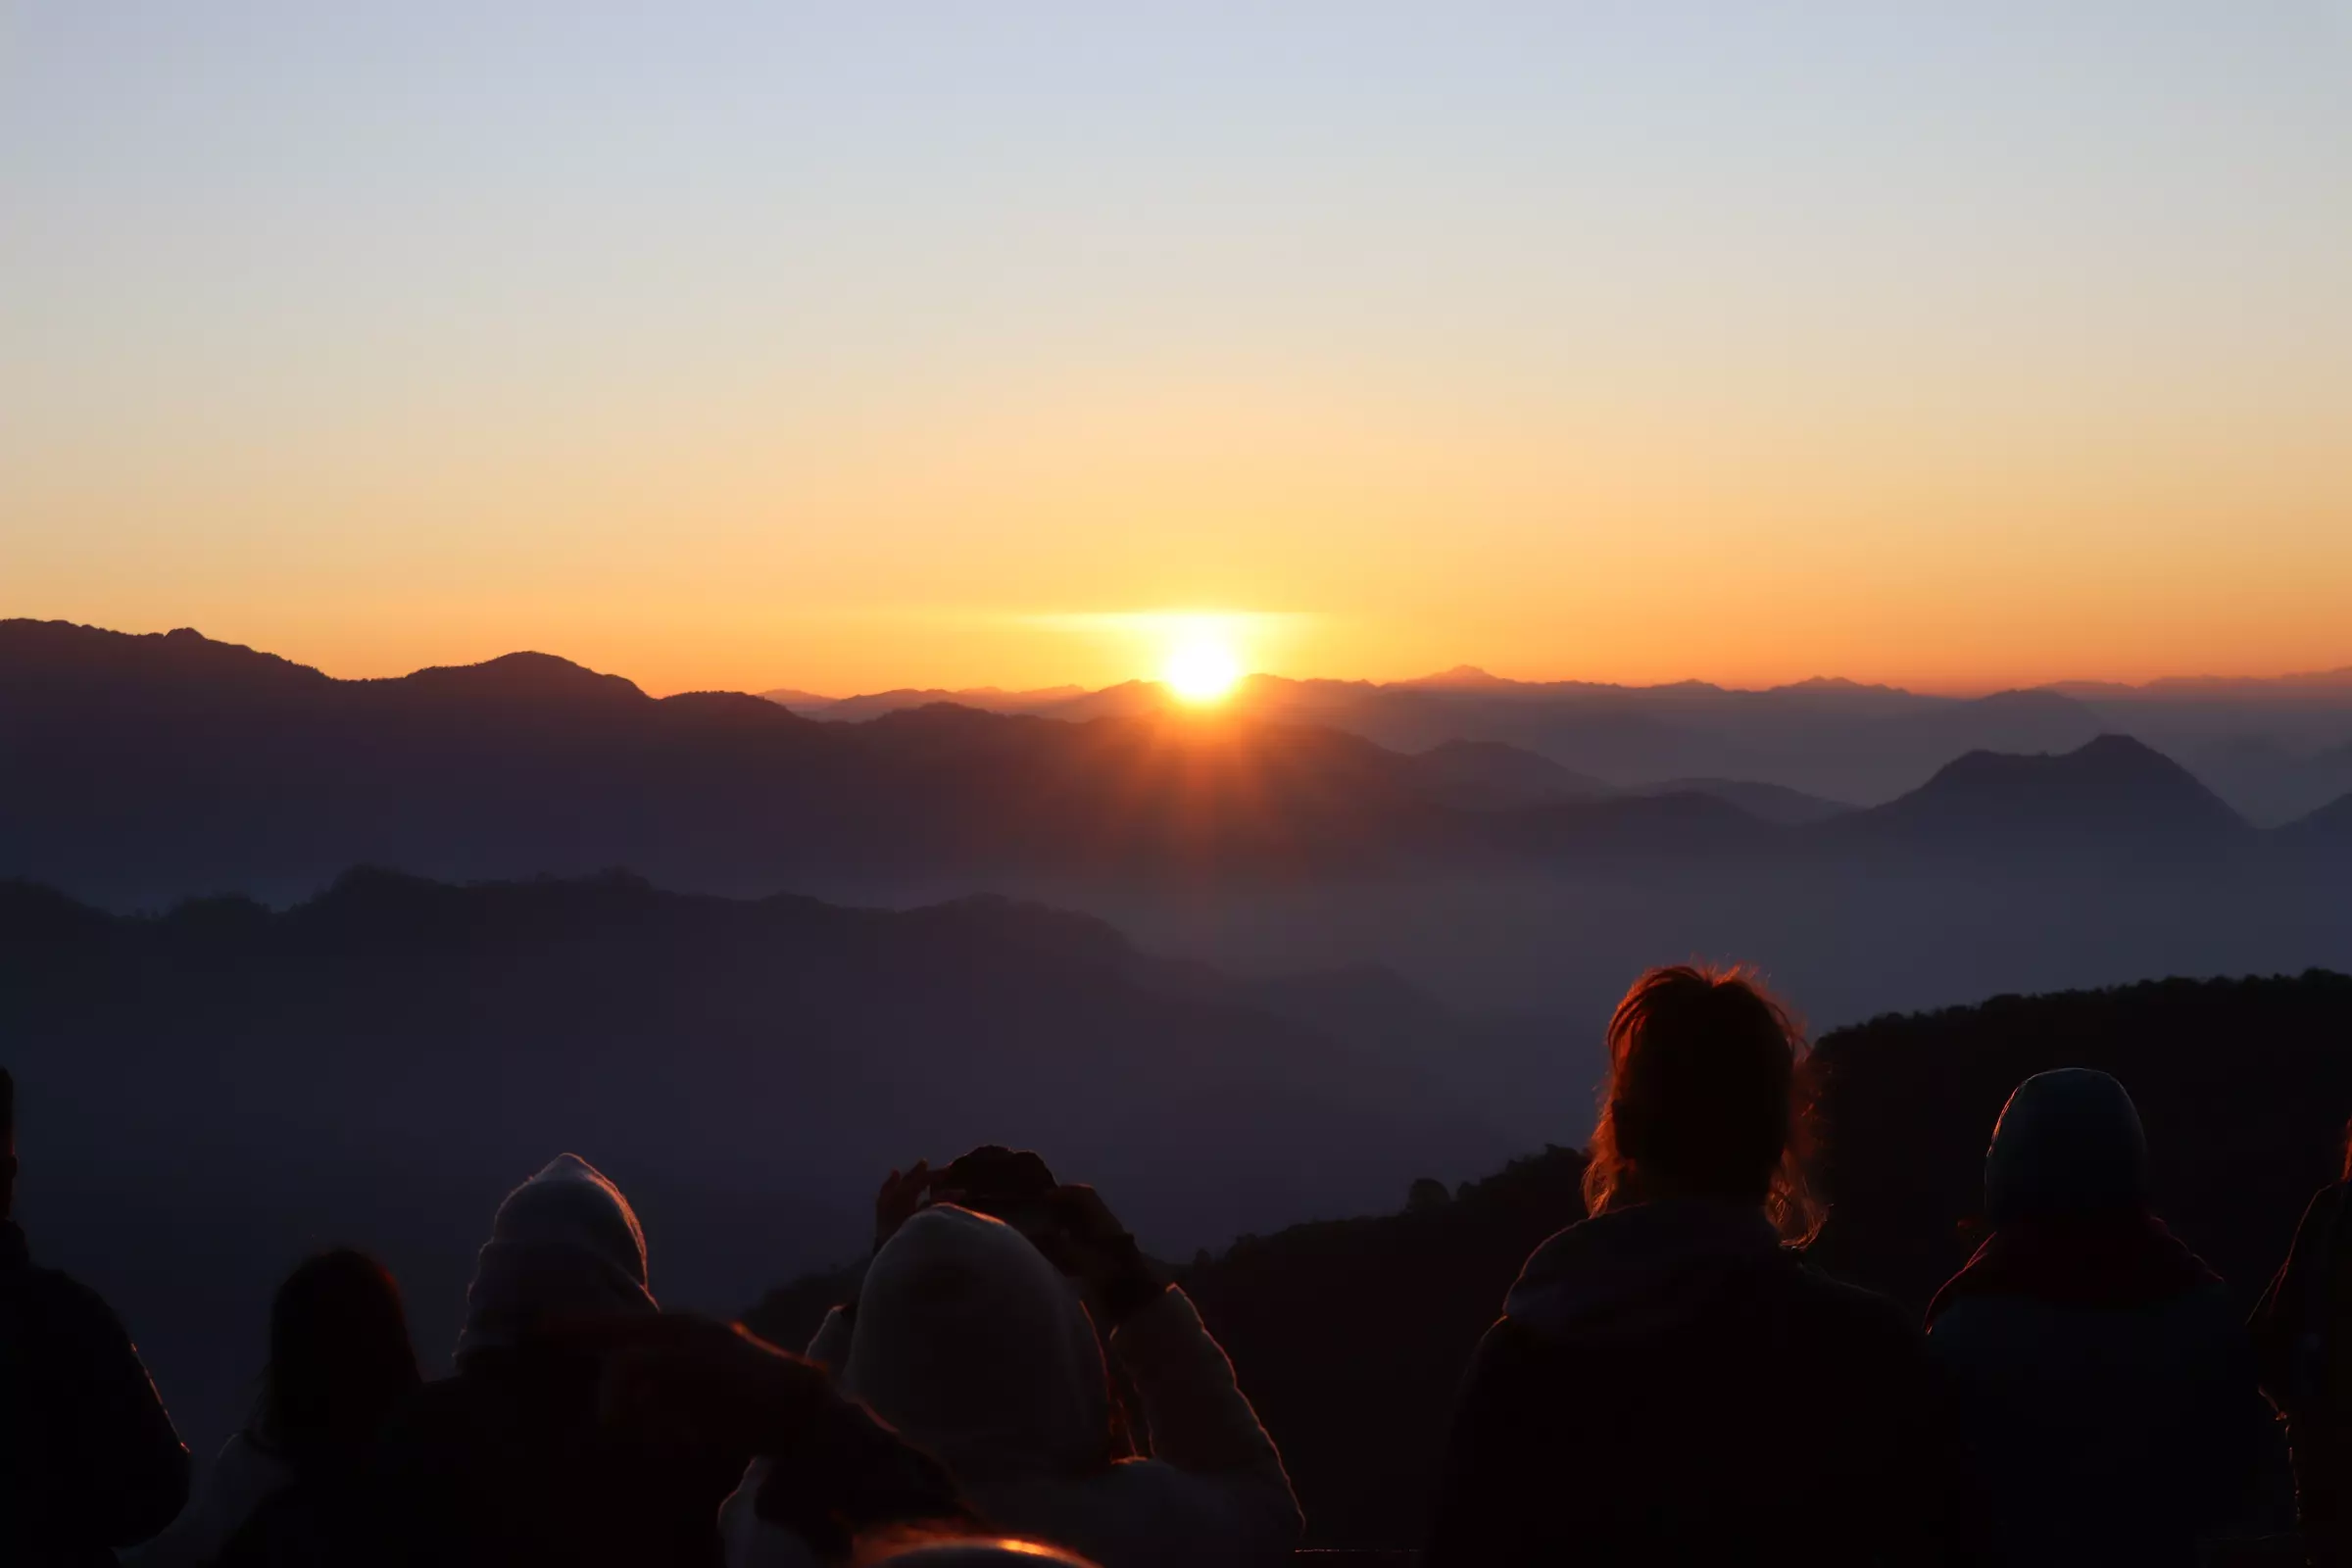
[
  {"x": 1513, "y": 1347},
  {"x": 2325, "y": 1206},
  {"x": 66, "y": 1302}
]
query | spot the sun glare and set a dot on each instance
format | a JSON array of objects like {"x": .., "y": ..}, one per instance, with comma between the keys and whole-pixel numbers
[{"x": 1202, "y": 669}]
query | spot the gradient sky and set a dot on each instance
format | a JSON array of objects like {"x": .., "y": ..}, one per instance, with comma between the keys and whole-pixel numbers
[{"x": 877, "y": 344}]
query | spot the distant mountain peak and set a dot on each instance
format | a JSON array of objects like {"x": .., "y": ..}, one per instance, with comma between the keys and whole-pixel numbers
[
  {"x": 1841, "y": 684},
  {"x": 1459, "y": 678},
  {"x": 535, "y": 676},
  {"x": 2112, "y": 788}
]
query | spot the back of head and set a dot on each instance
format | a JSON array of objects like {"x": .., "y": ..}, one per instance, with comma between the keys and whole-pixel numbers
[
  {"x": 565, "y": 1244},
  {"x": 2069, "y": 1146},
  {"x": 1009, "y": 1184},
  {"x": 1702, "y": 1097},
  {"x": 340, "y": 1358},
  {"x": 974, "y": 1345}
]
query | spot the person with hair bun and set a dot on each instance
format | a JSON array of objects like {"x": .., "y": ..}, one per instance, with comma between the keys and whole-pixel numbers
[{"x": 1670, "y": 1382}]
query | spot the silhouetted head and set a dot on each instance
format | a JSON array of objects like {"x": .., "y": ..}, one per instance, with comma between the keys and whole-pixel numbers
[
  {"x": 563, "y": 1245},
  {"x": 8, "y": 1144},
  {"x": 2069, "y": 1146},
  {"x": 339, "y": 1359},
  {"x": 979, "y": 1352},
  {"x": 994, "y": 1180},
  {"x": 1703, "y": 1098}
]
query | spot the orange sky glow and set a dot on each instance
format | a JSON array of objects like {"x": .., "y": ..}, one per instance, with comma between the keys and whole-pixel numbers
[{"x": 1955, "y": 351}]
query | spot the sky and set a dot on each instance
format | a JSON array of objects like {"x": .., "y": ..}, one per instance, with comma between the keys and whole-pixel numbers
[{"x": 868, "y": 345}]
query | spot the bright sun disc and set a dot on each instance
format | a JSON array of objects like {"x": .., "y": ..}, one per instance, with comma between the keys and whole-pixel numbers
[{"x": 1201, "y": 670}]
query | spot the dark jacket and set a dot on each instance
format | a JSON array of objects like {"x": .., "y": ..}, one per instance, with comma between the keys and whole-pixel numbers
[
  {"x": 507, "y": 1465},
  {"x": 2108, "y": 1382},
  {"x": 1670, "y": 1385},
  {"x": 2302, "y": 1331},
  {"x": 88, "y": 1458}
]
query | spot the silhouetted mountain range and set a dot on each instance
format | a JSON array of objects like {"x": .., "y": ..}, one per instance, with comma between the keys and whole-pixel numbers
[
  {"x": 988, "y": 699},
  {"x": 140, "y": 769},
  {"x": 2274, "y": 748}
]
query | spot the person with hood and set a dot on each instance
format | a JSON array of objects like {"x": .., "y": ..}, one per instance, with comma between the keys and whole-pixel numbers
[
  {"x": 90, "y": 1460},
  {"x": 2109, "y": 1384},
  {"x": 978, "y": 1349},
  {"x": 286, "y": 1486},
  {"x": 833, "y": 1485},
  {"x": 1013, "y": 1185},
  {"x": 2302, "y": 1332},
  {"x": 506, "y": 1462},
  {"x": 1670, "y": 1382}
]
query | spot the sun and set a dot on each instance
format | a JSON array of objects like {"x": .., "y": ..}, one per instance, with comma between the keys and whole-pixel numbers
[{"x": 1202, "y": 669}]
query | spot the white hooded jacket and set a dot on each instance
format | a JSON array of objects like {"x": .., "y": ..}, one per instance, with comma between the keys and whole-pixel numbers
[{"x": 975, "y": 1349}]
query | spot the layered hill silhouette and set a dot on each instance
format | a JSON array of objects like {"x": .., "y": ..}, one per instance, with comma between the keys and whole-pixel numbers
[
  {"x": 2244, "y": 1084},
  {"x": 2274, "y": 748},
  {"x": 2111, "y": 795},
  {"x": 379, "y": 1064},
  {"x": 140, "y": 769}
]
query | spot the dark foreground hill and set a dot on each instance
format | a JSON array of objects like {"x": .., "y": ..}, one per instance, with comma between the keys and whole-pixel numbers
[
  {"x": 208, "y": 1093},
  {"x": 1351, "y": 1334}
]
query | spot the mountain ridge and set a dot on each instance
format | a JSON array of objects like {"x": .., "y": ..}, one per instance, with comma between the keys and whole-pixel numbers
[{"x": 148, "y": 768}]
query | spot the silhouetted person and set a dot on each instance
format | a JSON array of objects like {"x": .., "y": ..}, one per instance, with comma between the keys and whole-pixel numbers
[
  {"x": 974, "y": 1344},
  {"x": 2107, "y": 1379},
  {"x": 1013, "y": 1185},
  {"x": 1669, "y": 1382},
  {"x": 508, "y": 1463},
  {"x": 2303, "y": 1350},
  {"x": 88, "y": 1458},
  {"x": 833, "y": 1485},
  {"x": 287, "y": 1489}
]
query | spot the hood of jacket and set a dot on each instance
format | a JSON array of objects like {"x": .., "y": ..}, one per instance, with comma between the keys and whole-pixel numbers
[
  {"x": 565, "y": 1244},
  {"x": 2069, "y": 1143},
  {"x": 1632, "y": 1272},
  {"x": 974, "y": 1345}
]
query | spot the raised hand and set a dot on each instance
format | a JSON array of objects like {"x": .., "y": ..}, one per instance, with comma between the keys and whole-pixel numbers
[
  {"x": 1090, "y": 1245},
  {"x": 900, "y": 1198}
]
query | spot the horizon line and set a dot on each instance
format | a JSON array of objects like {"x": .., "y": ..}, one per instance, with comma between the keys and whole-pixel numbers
[{"x": 1465, "y": 676}]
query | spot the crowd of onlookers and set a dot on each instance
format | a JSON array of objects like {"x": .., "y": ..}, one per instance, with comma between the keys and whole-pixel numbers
[{"x": 1014, "y": 1380}]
